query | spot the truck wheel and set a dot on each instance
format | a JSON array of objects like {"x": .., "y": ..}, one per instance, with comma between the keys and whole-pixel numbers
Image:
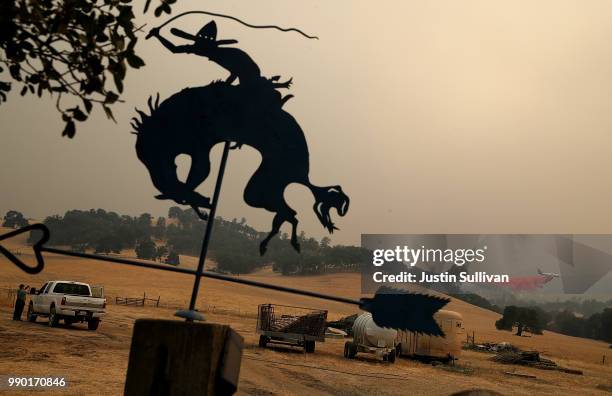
[
  {"x": 31, "y": 315},
  {"x": 346, "y": 349},
  {"x": 93, "y": 324},
  {"x": 391, "y": 356},
  {"x": 309, "y": 346},
  {"x": 263, "y": 341},
  {"x": 53, "y": 319}
]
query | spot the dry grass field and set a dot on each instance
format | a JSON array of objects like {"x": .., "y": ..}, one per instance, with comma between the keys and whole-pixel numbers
[{"x": 96, "y": 362}]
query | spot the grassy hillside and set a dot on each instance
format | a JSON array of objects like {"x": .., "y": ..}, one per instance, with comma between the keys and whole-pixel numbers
[{"x": 273, "y": 372}]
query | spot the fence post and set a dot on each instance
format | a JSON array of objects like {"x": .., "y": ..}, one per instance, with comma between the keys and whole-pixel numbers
[{"x": 169, "y": 357}]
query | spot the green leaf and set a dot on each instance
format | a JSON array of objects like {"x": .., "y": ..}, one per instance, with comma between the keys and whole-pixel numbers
[
  {"x": 101, "y": 38},
  {"x": 118, "y": 41},
  {"x": 15, "y": 71},
  {"x": 121, "y": 69},
  {"x": 118, "y": 82},
  {"x": 69, "y": 129},
  {"x": 132, "y": 43},
  {"x": 88, "y": 105},
  {"x": 109, "y": 113},
  {"x": 78, "y": 114},
  {"x": 134, "y": 60},
  {"x": 111, "y": 97},
  {"x": 53, "y": 74},
  {"x": 125, "y": 16}
]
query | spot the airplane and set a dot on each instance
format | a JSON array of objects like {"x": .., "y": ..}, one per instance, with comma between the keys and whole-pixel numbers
[{"x": 549, "y": 275}]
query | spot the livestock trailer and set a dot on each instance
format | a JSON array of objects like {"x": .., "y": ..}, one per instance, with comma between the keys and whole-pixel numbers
[
  {"x": 369, "y": 338},
  {"x": 446, "y": 348},
  {"x": 297, "y": 326}
]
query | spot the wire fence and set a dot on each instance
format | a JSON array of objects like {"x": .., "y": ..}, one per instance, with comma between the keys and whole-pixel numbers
[
  {"x": 178, "y": 305},
  {"x": 8, "y": 296},
  {"x": 138, "y": 301}
]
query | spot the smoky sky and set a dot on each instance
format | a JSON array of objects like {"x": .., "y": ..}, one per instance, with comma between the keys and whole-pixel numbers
[{"x": 435, "y": 117}]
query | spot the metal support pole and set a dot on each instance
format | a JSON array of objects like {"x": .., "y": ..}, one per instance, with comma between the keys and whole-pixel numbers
[{"x": 191, "y": 315}]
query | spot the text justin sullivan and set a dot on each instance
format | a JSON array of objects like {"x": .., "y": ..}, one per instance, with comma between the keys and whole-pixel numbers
[{"x": 444, "y": 277}]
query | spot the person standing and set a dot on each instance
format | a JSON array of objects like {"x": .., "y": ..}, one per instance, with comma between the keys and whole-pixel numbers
[{"x": 20, "y": 302}]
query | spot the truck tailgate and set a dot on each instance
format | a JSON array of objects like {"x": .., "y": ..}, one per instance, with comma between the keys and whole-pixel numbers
[{"x": 84, "y": 302}]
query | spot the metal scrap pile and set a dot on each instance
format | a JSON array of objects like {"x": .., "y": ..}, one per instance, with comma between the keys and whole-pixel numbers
[
  {"x": 531, "y": 359},
  {"x": 345, "y": 324},
  {"x": 493, "y": 347},
  {"x": 305, "y": 324}
]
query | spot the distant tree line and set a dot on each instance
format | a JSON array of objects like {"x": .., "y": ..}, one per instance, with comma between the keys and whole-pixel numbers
[
  {"x": 477, "y": 300},
  {"x": 315, "y": 257},
  {"x": 584, "y": 307},
  {"x": 14, "y": 219},
  {"x": 108, "y": 232},
  {"x": 587, "y": 318},
  {"x": 234, "y": 245},
  {"x": 534, "y": 319},
  {"x": 597, "y": 326}
]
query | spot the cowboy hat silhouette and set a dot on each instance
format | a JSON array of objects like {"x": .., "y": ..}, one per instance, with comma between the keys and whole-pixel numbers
[{"x": 208, "y": 35}]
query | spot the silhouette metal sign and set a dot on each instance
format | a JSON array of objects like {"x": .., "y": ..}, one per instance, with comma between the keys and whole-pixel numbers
[{"x": 193, "y": 120}]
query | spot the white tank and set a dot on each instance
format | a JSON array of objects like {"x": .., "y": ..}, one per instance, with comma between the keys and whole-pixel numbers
[{"x": 367, "y": 333}]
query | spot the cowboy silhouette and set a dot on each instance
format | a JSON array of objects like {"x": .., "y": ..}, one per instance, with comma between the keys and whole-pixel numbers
[{"x": 239, "y": 64}]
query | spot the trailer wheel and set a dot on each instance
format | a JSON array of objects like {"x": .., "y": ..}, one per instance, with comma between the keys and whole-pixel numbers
[
  {"x": 309, "y": 346},
  {"x": 350, "y": 350},
  {"x": 263, "y": 341},
  {"x": 391, "y": 356}
]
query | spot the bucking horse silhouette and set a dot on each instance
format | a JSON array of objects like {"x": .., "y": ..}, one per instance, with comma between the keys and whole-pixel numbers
[{"x": 194, "y": 120}]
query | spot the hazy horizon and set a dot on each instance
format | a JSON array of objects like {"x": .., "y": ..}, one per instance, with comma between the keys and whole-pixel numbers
[{"x": 435, "y": 117}]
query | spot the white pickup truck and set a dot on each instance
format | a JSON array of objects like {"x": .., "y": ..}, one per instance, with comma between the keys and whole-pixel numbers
[{"x": 69, "y": 301}]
